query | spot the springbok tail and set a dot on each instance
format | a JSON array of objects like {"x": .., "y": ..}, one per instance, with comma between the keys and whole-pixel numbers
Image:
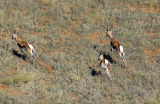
[{"x": 35, "y": 54}]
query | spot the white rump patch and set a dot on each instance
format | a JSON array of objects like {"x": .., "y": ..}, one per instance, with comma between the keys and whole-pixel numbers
[
  {"x": 106, "y": 62},
  {"x": 30, "y": 46},
  {"x": 121, "y": 49}
]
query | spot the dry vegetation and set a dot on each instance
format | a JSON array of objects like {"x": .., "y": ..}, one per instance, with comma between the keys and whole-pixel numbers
[{"x": 64, "y": 33}]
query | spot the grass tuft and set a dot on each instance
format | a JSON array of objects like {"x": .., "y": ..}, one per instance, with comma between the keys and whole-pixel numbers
[{"x": 17, "y": 79}]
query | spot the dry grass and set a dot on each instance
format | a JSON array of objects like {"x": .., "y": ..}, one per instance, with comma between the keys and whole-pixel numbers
[{"x": 64, "y": 33}]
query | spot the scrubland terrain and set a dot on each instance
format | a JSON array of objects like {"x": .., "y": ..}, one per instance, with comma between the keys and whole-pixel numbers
[{"x": 64, "y": 34}]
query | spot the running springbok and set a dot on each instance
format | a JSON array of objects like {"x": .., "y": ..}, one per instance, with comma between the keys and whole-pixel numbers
[
  {"x": 116, "y": 45},
  {"x": 105, "y": 64},
  {"x": 23, "y": 45}
]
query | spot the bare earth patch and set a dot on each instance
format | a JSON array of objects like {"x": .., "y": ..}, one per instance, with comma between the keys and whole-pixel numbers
[
  {"x": 10, "y": 91},
  {"x": 116, "y": 26},
  {"x": 96, "y": 36},
  {"x": 3, "y": 87},
  {"x": 5, "y": 36},
  {"x": 152, "y": 35},
  {"x": 151, "y": 52},
  {"x": 38, "y": 33},
  {"x": 47, "y": 19},
  {"x": 9, "y": 71},
  {"x": 145, "y": 7},
  {"x": 46, "y": 66}
]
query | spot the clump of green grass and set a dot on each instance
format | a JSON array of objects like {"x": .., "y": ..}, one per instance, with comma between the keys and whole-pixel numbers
[{"x": 17, "y": 79}]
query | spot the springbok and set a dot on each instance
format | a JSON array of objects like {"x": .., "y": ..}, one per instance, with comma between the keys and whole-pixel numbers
[
  {"x": 25, "y": 46},
  {"x": 116, "y": 45},
  {"x": 105, "y": 64}
]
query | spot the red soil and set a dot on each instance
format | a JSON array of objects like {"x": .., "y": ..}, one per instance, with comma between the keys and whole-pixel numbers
[
  {"x": 46, "y": 66},
  {"x": 145, "y": 7},
  {"x": 151, "y": 52},
  {"x": 116, "y": 26},
  {"x": 38, "y": 33},
  {"x": 3, "y": 87},
  {"x": 44, "y": 10},
  {"x": 152, "y": 35},
  {"x": 10, "y": 91},
  {"x": 9, "y": 37},
  {"x": 14, "y": 92},
  {"x": 96, "y": 36},
  {"x": 47, "y": 19},
  {"x": 9, "y": 71}
]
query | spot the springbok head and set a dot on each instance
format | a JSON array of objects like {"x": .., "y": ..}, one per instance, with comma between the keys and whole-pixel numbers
[
  {"x": 14, "y": 36},
  {"x": 109, "y": 32},
  {"x": 101, "y": 56}
]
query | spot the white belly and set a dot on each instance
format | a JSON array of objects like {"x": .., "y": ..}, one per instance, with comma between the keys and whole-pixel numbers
[{"x": 104, "y": 66}]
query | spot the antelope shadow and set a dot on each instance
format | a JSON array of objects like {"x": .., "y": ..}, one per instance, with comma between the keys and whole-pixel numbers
[
  {"x": 94, "y": 72},
  {"x": 14, "y": 52}
]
